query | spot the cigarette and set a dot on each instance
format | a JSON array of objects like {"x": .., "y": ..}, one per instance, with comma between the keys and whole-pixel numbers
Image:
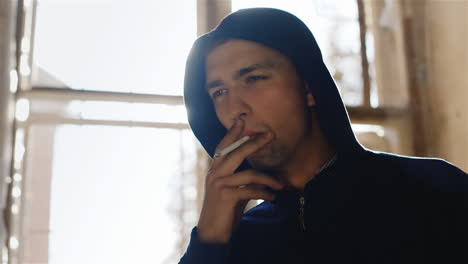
[{"x": 232, "y": 147}]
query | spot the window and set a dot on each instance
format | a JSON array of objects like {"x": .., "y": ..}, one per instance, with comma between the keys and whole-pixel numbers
[
  {"x": 109, "y": 158},
  {"x": 113, "y": 191},
  {"x": 102, "y": 140},
  {"x": 122, "y": 46}
]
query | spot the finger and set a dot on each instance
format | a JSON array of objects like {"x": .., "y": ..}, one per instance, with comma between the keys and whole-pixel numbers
[
  {"x": 250, "y": 177},
  {"x": 255, "y": 186},
  {"x": 234, "y": 159},
  {"x": 232, "y": 135},
  {"x": 250, "y": 193}
]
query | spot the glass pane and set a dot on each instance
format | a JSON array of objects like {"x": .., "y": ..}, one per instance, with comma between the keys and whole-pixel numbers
[
  {"x": 335, "y": 26},
  {"x": 120, "y": 45},
  {"x": 121, "y": 195}
]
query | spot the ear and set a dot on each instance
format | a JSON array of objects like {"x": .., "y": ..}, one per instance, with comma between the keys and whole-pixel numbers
[{"x": 309, "y": 96}]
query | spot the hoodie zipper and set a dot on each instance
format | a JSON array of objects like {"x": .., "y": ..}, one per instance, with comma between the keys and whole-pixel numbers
[{"x": 301, "y": 213}]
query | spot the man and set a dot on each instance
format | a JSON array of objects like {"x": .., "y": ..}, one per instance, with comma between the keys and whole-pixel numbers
[{"x": 327, "y": 199}]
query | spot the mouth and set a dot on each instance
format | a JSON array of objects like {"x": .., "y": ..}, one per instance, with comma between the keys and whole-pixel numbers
[
  {"x": 255, "y": 134},
  {"x": 252, "y": 134}
]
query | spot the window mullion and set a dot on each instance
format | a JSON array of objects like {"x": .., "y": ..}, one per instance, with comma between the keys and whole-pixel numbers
[
  {"x": 364, "y": 60},
  {"x": 209, "y": 13}
]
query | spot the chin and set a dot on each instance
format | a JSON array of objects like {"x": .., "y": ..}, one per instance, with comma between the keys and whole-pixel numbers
[
  {"x": 262, "y": 165},
  {"x": 270, "y": 158},
  {"x": 265, "y": 162}
]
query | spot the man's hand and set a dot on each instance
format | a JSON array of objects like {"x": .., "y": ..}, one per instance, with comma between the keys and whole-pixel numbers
[{"x": 227, "y": 193}]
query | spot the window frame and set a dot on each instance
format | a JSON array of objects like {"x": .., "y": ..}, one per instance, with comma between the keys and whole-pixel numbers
[{"x": 209, "y": 12}]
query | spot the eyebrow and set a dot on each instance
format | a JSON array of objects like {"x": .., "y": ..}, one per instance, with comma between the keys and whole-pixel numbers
[{"x": 241, "y": 72}]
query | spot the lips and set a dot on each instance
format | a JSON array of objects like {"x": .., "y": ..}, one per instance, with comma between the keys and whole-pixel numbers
[{"x": 251, "y": 133}]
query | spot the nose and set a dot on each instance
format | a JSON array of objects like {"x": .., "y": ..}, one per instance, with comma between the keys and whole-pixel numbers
[{"x": 239, "y": 108}]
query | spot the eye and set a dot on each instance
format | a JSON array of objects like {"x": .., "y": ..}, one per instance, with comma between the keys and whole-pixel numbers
[
  {"x": 254, "y": 78},
  {"x": 218, "y": 93}
]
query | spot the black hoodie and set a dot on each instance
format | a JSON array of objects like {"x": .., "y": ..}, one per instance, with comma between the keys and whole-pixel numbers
[{"x": 367, "y": 207}]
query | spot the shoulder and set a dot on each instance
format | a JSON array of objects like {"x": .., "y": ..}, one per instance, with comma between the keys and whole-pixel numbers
[{"x": 426, "y": 171}]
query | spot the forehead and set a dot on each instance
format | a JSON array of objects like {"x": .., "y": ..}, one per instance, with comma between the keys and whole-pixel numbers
[{"x": 234, "y": 54}]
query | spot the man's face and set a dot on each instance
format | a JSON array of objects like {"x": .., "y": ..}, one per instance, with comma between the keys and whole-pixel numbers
[{"x": 249, "y": 81}]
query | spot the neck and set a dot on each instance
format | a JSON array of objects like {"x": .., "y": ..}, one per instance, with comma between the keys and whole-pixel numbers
[{"x": 310, "y": 156}]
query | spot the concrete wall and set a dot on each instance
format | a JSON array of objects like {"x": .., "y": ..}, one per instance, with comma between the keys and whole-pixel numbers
[
  {"x": 446, "y": 27},
  {"x": 7, "y": 63}
]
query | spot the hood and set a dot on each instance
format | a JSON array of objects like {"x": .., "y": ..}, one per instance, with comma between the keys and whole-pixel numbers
[{"x": 287, "y": 34}]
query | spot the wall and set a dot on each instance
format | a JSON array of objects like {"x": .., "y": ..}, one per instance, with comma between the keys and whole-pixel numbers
[
  {"x": 446, "y": 26},
  {"x": 425, "y": 52},
  {"x": 7, "y": 63}
]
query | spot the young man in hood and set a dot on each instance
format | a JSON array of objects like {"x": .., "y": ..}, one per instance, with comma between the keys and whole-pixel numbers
[{"x": 259, "y": 76}]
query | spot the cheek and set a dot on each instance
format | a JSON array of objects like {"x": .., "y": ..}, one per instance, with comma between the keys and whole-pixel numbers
[
  {"x": 286, "y": 115},
  {"x": 220, "y": 113},
  {"x": 280, "y": 104}
]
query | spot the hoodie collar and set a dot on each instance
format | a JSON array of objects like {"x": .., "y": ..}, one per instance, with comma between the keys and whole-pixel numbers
[{"x": 288, "y": 196}]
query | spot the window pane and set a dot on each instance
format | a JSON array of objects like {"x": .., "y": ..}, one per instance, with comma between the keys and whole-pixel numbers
[
  {"x": 120, "y": 45},
  {"x": 121, "y": 195},
  {"x": 335, "y": 26}
]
